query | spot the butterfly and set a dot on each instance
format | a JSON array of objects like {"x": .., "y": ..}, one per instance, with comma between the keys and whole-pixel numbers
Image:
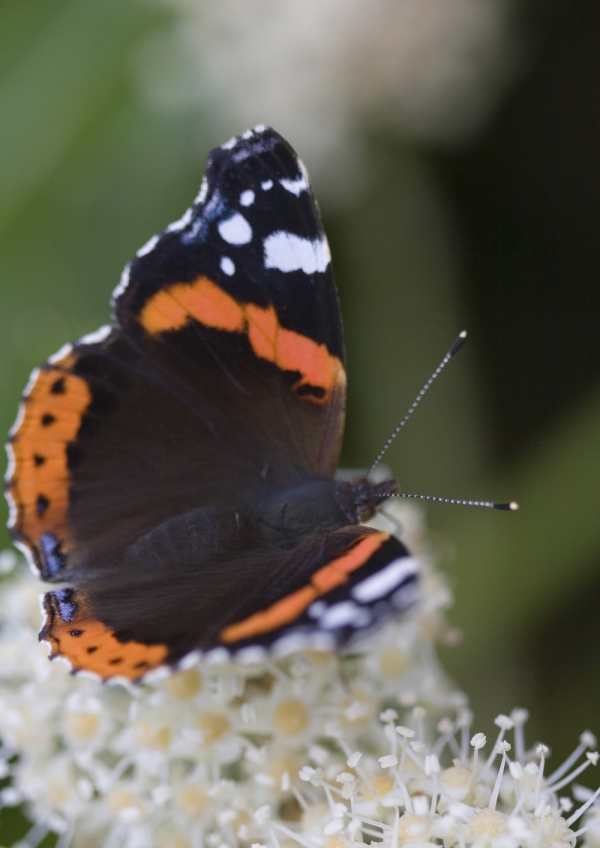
[{"x": 173, "y": 472}]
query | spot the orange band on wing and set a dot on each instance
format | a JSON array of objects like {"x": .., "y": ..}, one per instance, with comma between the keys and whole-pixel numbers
[
  {"x": 171, "y": 308},
  {"x": 90, "y": 645},
  {"x": 50, "y": 418},
  {"x": 324, "y": 580},
  {"x": 204, "y": 301}
]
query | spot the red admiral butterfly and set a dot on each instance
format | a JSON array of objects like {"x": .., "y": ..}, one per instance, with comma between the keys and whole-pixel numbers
[{"x": 176, "y": 468}]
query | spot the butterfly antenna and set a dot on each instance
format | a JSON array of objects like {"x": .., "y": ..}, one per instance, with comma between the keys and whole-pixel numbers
[
  {"x": 508, "y": 505},
  {"x": 455, "y": 347}
]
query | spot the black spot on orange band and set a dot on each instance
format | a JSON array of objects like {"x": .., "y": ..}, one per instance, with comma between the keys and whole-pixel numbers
[{"x": 88, "y": 644}]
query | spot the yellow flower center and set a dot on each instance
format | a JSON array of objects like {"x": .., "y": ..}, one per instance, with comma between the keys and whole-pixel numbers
[
  {"x": 335, "y": 842},
  {"x": 412, "y": 828},
  {"x": 81, "y": 726},
  {"x": 393, "y": 661},
  {"x": 185, "y": 684},
  {"x": 121, "y": 800},
  {"x": 488, "y": 823},
  {"x": 191, "y": 800},
  {"x": 149, "y": 734},
  {"x": 290, "y": 717},
  {"x": 213, "y": 726}
]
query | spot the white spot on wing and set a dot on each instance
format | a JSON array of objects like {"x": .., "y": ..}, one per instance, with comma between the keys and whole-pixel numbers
[
  {"x": 260, "y": 128},
  {"x": 21, "y": 410},
  {"x": 58, "y": 658},
  {"x": 18, "y": 420},
  {"x": 189, "y": 661},
  {"x": 227, "y": 266},
  {"x": 11, "y": 465},
  {"x": 185, "y": 219},
  {"x": 383, "y": 582},
  {"x": 288, "y": 252},
  {"x": 150, "y": 245},
  {"x": 155, "y": 675},
  {"x": 97, "y": 336},
  {"x": 247, "y": 134},
  {"x": 43, "y": 612},
  {"x": 235, "y": 230},
  {"x": 290, "y": 643},
  {"x": 296, "y": 186},
  {"x": 123, "y": 283},
  {"x": 84, "y": 674},
  {"x": 406, "y": 596},
  {"x": 251, "y": 654},
  {"x": 13, "y": 512},
  {"x": 125, "y": 682},
  {"x": 65, "y": 350},
  {"x": 30, "y": 561},
  {"x": 339, "y": 615},
  {"x": 229, "y": 145},
  {"x": 216, "y": 656},
  {"x": 266, "y": 185},
  {"x": 317, "y": 609},
  {"x": 247, "y": 197},
  {"x": 201, "y": 196},
  {"x": 321, "y": 641}
]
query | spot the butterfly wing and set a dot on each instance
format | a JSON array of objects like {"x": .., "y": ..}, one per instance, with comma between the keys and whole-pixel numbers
[
  {"x": 222, "y": 374},
  {"x": 317, "y": 596}
]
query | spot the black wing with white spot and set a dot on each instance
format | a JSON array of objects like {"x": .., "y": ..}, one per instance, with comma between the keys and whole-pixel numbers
[{"x": 255, "y": 229}]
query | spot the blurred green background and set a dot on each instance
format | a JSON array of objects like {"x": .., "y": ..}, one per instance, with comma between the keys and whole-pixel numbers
[{"x": 492, "y": 226}]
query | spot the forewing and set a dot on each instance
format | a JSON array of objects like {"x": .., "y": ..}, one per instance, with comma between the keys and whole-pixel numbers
[
  {"x": 247, "y": 273},
  {"x": 223, "y": 375}
]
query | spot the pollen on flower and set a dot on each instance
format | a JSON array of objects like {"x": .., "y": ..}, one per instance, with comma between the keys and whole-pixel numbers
[
  {"x": 191, "y": 800},
  {"x": 151, "y": 734},
  {"x": 290, "y": 717},
  {"x": 489, "y": 823},
  {"x": 184, "y": 684},
  {"x": 213, "y": 726},
  {"x": 456, "y": 780},
  {"x": 382, "y": 784},
  {"x": 80, "y": 726},
  {"x": 125, "y": 805},
  {"x": 170, "y": 837},
  {"x": 413, "y": 828},
  {"x": 335, "y": 842},
  {"x": 393, "y": 661}
]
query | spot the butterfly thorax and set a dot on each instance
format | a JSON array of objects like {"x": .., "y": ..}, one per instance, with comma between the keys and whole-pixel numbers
[{"x": 318, "y": 506}]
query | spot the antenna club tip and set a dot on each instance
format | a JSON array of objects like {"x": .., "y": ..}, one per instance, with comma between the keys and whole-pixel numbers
[
  {"x": 511, "y": 506},
  {"x": 460, "y": 340}
]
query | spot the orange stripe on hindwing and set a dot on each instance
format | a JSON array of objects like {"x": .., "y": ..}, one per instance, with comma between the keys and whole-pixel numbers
[
  {"x": 336, "y": 573},
  {"x": 49, "y": 418},
  {"x": 204, "y": 301}
]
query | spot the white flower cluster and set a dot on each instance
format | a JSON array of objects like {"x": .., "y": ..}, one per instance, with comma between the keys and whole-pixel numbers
[
  {"x": 314, "y": 750},
  {"x": 319, "y": 69}
]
